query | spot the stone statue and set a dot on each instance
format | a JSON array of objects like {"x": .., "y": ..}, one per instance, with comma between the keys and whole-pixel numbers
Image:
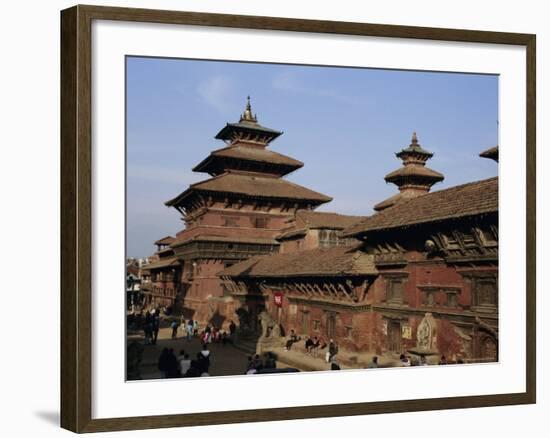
[
  {"x": 270, "y": 327},
  {"x": 425, "y": 333}
]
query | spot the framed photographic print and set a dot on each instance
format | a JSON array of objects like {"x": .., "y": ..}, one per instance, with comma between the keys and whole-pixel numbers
[{"x": 312, "y": 218}]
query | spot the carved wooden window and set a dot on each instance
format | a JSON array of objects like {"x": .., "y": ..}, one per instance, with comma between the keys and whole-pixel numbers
[
  {"x": 316, "y": 325},
  {"x": 469, "y": 240},
  {"x": 429, "y": 298},
  {"x": 260, "y": 222},
  {"x": 452, "y": 299},
  {"x": 450, "y": 241},
  {"x": 323, "y": 238},
  {"x": 231, "y": 221},
  {"x": 485, "y": 292},
  {"x": 439, "y": 296},
  {"x": 394, "y": 290},
  {"x": 328, "y": 238},
  {"x": 488, "y": 238}
]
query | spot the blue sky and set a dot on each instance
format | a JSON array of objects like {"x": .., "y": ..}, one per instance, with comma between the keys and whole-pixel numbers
[{"x": 345, "y": 124}]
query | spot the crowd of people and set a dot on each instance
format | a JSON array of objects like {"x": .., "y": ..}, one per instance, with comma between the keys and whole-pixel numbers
[
  {"x": 258, "y": 363},
  {"x": 211, "y": 333},
  {"x": 312, "y": 346},
  {"x": 171, "y": 366}
]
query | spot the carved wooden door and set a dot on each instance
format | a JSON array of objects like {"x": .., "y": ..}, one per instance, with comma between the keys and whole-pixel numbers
[
  {"x": 331, "y": 325},
  {"x": 394, "y": 336}
]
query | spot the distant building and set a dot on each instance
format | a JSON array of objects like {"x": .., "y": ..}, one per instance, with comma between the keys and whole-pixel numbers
[
  {"x": 133, "y": 283},
  {"x": 162, "y": 274}
]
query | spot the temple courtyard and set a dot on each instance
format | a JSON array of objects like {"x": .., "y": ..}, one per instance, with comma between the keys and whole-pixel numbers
[{"x": 229, "y": 360}]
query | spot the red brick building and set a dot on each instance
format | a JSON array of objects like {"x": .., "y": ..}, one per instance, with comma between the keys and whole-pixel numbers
[
  {"x": 161, "y": 283},
  {"x": 422, "y": 277},
  {"x": 419, "y": 275}
]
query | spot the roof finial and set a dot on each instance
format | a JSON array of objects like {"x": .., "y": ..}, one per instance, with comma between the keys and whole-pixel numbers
[
  {"x": 247, "y": 116},
  {"x": 414, "y": 139}
]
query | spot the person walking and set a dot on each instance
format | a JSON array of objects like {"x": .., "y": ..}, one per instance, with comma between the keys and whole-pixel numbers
[
  {"x": 148, "y": 328},
  {"x": 332, "y": 350},
  {"x": 174, "y": 325},
  {"x": 163, "y": 364},
  {"x": 195, "y": 328},
  {"x": 189, "y": 329},
  {"x": 208, "y": 334},
  {"x": 184, "y": 362},
  {"x": 156, "y": 327},
  {"x": 203, "y": 358}
]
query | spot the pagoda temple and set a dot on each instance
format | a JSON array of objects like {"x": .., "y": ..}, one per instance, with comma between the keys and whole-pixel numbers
[
  {"x": 414, "y": 178},
  {"x": 234, "y": 215}
]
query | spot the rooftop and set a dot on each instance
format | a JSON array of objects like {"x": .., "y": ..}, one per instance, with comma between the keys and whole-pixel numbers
[
  {"x": 248, "y": 123},
  {"x": 254, "y": 154},
  {"x": 254, "y": 186},
  {"x": 321, "y": 219},
  {"x": 165, "y": 241},
  {"x": 163, "y": 263},
  {"x": 228, "y": 239},
  {"x": 491, "y": 153},
  {"x": 337, "y": 261},
  {"x": 414, "y": 149},
  {"x": 414, "y": 170},
  {"x": 472, "y": 199}
]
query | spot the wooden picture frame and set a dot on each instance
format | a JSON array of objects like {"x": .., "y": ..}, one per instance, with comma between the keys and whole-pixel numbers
[{"x": 76, "y": 218}]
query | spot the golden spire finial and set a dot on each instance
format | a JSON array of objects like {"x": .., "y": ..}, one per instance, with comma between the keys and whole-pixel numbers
[
  {"x": 247, "y": 115},
  {"x": 414, "y": 139}
]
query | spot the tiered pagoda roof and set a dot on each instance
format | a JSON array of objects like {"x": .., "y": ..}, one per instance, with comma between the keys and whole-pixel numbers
[
  {"x": 249, "y": 158},
  {"x": 414, "y": 178},
  {"x": 253, "y": 186},
  {"x": 245, "y": 168}
]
